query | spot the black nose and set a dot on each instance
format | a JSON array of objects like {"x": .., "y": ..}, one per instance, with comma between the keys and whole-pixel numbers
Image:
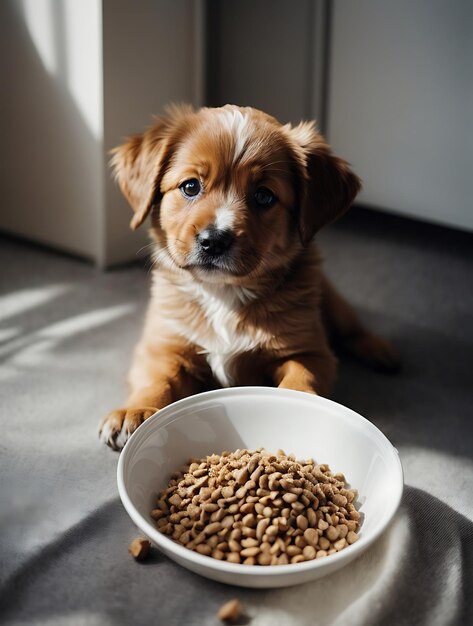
[{"x": 214, "y": 242}]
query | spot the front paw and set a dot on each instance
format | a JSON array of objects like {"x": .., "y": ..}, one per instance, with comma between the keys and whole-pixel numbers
[{"x": 119, "y": 425}]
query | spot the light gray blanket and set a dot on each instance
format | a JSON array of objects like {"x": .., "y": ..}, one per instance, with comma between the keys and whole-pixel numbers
[{"x": 66, "y": 336}]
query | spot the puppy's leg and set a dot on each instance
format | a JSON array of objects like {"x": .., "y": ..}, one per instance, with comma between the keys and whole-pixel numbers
[
  {"x": 155, "y": 382},
  {"x": 312, "y": 373},
  {"x": 349, "y": 334}
]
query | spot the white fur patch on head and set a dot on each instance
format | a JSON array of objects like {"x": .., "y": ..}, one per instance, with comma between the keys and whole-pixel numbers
[
  {"x": 237, "y": 124},
  {"x": 240, "y": 130}
]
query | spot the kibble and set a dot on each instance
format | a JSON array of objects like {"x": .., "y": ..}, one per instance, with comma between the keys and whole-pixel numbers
[
  {"x": 139, "y": 548},
  {"x": 257, "y": 508},
  {"x": 230, "y": 611},
  {"x": 309, "y": 553},
  {"x": 311, "y": 536},
  {"x": 351, "y": 537}
]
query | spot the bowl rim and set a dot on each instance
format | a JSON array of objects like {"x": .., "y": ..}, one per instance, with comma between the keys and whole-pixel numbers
[{"x": 208, "y": 562}]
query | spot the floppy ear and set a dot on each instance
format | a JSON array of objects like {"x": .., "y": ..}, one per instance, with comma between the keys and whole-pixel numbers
[
  {"x": 138, "y": 166},
  {"x": 329, "y": 186}
]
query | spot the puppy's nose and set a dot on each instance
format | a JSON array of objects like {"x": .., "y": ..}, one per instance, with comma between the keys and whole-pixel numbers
[{"x": 215, "y": 242}]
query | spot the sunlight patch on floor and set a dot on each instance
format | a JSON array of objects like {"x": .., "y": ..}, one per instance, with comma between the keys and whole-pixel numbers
[{"x": 23, "y": 300}]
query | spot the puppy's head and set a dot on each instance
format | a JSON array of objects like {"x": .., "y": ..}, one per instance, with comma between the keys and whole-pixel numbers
[{"x": 233, "y": 194}]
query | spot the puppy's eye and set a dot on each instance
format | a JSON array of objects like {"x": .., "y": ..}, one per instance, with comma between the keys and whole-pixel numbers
[
  {"x": 190, "y": 188},
  {"x": 264, "y": 198}
]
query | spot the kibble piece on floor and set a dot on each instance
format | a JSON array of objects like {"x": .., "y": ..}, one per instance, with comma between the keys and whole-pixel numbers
[
  {"x": 139, "y": 548},
  {"x": 230, "y": 611}
]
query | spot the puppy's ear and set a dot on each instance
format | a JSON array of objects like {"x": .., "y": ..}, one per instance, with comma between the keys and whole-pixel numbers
[
  {"x": 328, "y": 185},
  {"x": 138, "y": 166}
]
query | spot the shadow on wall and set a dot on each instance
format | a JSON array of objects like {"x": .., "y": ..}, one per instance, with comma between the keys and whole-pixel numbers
[{"x": 44, "y": 196}]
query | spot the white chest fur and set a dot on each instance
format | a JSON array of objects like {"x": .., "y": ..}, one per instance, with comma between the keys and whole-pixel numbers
[{"x": 221, "y": 336}]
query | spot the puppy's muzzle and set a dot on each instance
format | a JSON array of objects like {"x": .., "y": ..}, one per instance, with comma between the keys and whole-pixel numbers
[{"x": 213, "y": 242}]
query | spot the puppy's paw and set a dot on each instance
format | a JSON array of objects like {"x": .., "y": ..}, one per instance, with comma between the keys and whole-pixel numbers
[
  {"x": 116, "y": 428},
  {"x": 376, "y": 352}
]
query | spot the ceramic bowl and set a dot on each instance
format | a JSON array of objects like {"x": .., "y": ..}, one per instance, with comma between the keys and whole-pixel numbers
[{"x": 253, "y": 417}]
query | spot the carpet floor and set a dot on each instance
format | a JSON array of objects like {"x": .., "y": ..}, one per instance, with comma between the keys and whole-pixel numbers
[{"x": 67, "y": 331}]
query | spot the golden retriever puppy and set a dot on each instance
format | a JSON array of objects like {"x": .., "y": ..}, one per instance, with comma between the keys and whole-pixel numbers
[{"x": 238, "y": 295}]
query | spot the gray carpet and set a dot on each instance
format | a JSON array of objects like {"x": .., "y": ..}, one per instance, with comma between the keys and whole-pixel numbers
[{"x": 66, "y": 336}]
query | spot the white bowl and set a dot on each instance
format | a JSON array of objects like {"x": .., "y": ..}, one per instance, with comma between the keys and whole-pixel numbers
[{"x": 253, "y": 417}]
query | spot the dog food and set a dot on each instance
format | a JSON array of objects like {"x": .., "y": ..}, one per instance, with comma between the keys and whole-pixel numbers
[
  {"x": 139, "y": 548},
  {"x": 258, "y": 508},
  {"x": 230, "y": 611}
]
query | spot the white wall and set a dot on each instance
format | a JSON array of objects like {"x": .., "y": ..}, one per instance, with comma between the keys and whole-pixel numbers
[
  {"x": 150, "y": 54},
  {"x": 51, "y": 111},
  {"x": 264, "y": 54},
  {"x": 77, "y": 76},
  {"x": 401, "y": 104}
]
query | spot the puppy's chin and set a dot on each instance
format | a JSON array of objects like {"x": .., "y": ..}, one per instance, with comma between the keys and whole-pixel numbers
[
  {"x": 218, "y": 272},
  {"x": 212, "y": 274}
]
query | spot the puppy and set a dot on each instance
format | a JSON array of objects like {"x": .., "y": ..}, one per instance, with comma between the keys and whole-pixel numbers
[{"x": 238, "y": 295}]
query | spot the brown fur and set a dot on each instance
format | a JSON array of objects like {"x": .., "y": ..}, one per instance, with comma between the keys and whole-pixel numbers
[{"x": 267, "y": 317}]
